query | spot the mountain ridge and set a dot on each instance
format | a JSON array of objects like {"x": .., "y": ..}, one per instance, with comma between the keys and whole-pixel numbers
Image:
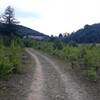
[
  {"x": 87, "y": 34},
  {"x": 22, "y": 30}
]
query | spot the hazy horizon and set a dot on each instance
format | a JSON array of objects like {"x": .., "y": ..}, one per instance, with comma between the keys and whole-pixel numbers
[{"x": 54, "y": 16}]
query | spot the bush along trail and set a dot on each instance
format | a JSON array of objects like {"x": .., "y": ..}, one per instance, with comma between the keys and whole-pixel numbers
[
  {"x": 51, "y": 82},
  {"x": 10, "y": 58},
  {"x": 84, "y": 57}
]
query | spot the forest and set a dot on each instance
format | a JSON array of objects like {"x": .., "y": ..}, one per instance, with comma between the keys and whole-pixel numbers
[{"x": 87, "y": 34}]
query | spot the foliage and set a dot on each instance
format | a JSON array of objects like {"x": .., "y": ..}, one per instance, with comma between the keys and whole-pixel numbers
[
  {"x": 9, "y": 16},
  {"x": 27, "y": 42},
  {"x": 92, "y": 74},
  {"x": 81, "y": 56},
  {"x": 9, "y": 22},
  {"x": 58, "y": 45},
  {"x": 88, "y": 34},
  {"x": 10, "y": 58}
]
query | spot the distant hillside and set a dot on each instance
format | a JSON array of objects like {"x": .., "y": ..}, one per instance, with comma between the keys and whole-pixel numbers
[
  {"x": 27, "y": 31},
  {"x": 88, "y": 34},
  {"x": 22, "y": 31}
]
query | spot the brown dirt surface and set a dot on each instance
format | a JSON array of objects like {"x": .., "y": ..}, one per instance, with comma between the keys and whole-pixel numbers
[{"x": 45, "y": 78}]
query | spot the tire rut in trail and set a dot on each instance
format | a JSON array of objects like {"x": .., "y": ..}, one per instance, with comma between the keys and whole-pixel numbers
[
  {"x": 54, "y": 86},
  {"x": 73, "y": 90},
  {"x": 37, "y": 86}
]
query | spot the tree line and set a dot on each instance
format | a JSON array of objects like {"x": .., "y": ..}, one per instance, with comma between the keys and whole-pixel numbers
[{"x": 88, "y": 34}]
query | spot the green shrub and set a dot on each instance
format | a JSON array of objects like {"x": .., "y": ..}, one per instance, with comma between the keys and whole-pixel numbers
[
  {"x": 92, "y": 75},
  {"x": 58, "y": 45},
  {"x": 10, "y": 58},
  {"x": 84, "y": 56}
]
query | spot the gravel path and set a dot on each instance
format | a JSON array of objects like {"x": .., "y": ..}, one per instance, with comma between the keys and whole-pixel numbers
[{"x": 53, "y": 84}]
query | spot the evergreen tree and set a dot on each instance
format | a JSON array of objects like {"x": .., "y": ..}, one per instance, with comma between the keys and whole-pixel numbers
[{"x": 8, "y": 18}]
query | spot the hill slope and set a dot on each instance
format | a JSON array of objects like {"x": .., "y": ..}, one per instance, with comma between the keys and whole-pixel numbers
[
  {"x": 88, "y": 34},
  {"x": 21, "y": 30}
]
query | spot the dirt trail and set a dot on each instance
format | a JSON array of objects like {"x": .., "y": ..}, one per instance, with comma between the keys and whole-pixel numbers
[
  {"x": 45, "y": 79},
  {"x": 53, "y": 84},
  {"x": 38, "y": 82}
]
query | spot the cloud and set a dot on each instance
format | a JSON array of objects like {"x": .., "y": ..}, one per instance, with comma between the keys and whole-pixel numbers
[
  {"x": 55, "y": 16},
  {"x": 22, "y": 14}
]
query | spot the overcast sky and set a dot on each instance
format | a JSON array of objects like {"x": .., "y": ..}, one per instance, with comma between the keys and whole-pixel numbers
[{"x": 55, "y": 16}]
